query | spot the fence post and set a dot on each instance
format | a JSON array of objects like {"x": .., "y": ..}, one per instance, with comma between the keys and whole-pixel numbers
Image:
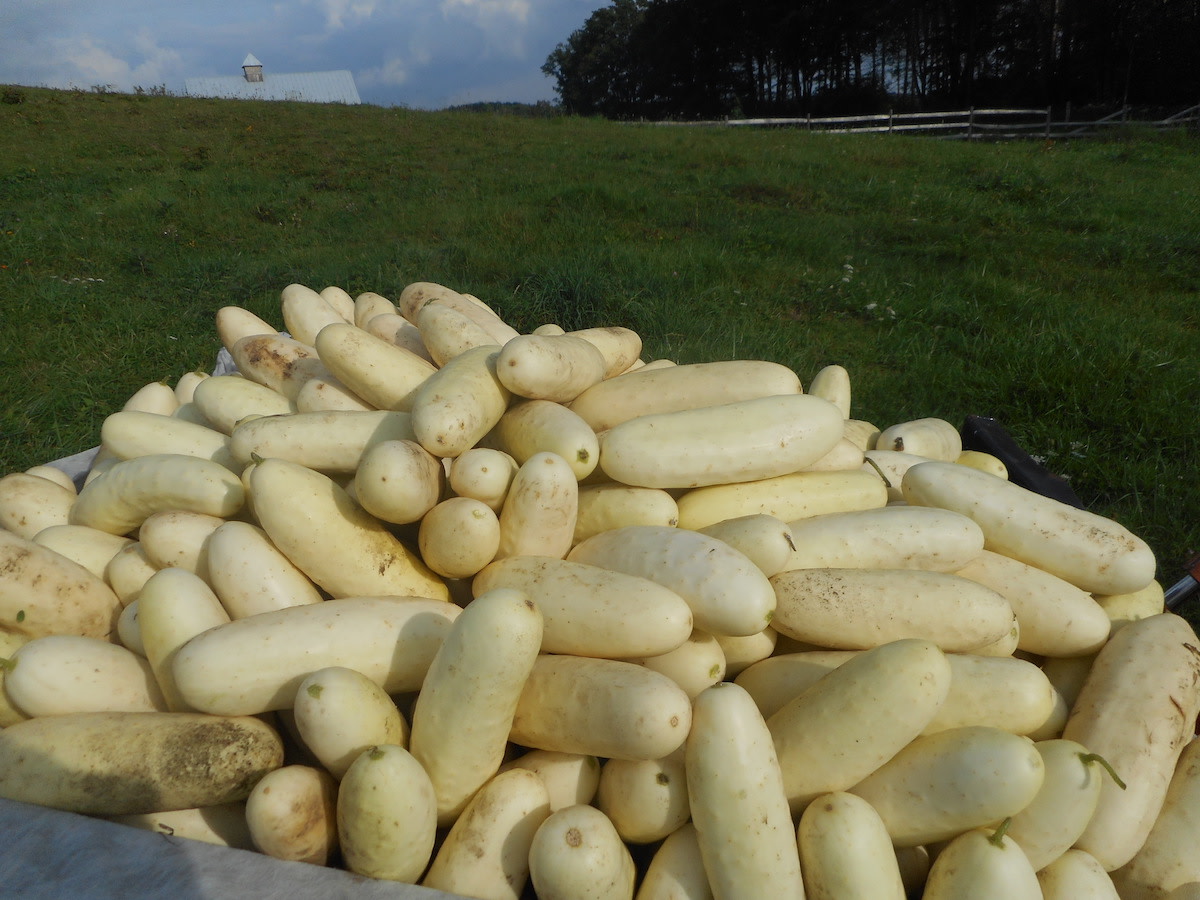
[
  {"x": 1048, "y": 109},
  {"x": 970, "y": 122},
  {"x": 890, "y": 113},
  {"x": 808, "y": 118}
]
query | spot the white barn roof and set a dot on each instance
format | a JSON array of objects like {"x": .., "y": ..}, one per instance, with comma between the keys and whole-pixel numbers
[{"x": 310, "y": 87}]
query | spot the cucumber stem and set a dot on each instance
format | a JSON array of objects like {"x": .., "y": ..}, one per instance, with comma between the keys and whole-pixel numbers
[{"x": 1096, "y": 757}]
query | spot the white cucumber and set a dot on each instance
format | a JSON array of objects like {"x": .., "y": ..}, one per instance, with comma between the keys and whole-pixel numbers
[
  {"x": 737, "y": 798},
  {"x": 744, "y": 441},
  {"x": 256, "y": 664},
  {"x": 463, "y": 715},
  {"x": 1090, "y": 551},
  {"x": 727, "y": 592}
]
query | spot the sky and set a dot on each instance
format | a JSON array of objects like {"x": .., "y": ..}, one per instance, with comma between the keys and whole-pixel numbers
[{"x": 423, "y": 54}]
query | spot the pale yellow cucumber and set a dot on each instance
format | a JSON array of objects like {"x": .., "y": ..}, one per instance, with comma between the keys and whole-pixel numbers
[
  {"x": 748, "y": 440},
  {"x": 1057, "y": 815},
  {"x": 154, "y": 397},
  {"x": 235, "y": 322},
  {"x": 676, "y": 871},
  {"x": 368, "y": 305},
  {"x": 536, "y": 426},
  {"x": 128, "y": 570},
  {"x": 256, "y": 664},
  {"x": 43, "y": 592},
  {"x": 61, "y": 673},
  {"x": 1077, "y": 876},
  {"x": 727, "y": 592},
  {"x": 177, "y": 538},
  {"x": 460, "y": 403},
  {"x": 600, "y": 707},
  {"x": 446, "y": 332},
  {"x": 332, "y": 441},
  {"x": 592, "y": 611},
  {"x": 1090, "y": 551},
  {"x": 1137, "y": 709},
  {"x": 29, "y": 504},
  {"x": 278, "y": 362},
  {"x": 223, "y": 825},
  {"x": 619, "y": 346},
  {"x": 386, "y": 815},
  {"x": 1122, "y": 609},
  {"x": 538, "y": 516},
  {"x": 861, "y": 433},
  {"x": 646, "y": 800},
  {"x": 459, "y": 537},
  {"x": 340, "y": 300},
  {"x": 291, "y": 814},
  {"x": 569, "y": 778},
  {"x": 845, "y": 851},
  {"x": 845, "y": 455},
  {"x": 129, "y": 433},
  {"x": 129, "y": 629},
  {"x": 889, "y": 466},
  {"x": 417, "y": 294},
  {"x": 398, "y": 481},
  {"x": 483, "y": 474},
  {"x": 743, "y": 652},
  {"x": 55, "y": 474},
  {"x": 1167, "y": 859},
  {"x": 856, "y": 608},
  {"x": 576, "y": 854},
  {"x": 1056, "y": 618},
  {"x": 982, "y": 864},
  {"x": 603, "y": 507},
  {"x": 486, "y": 852},
  {"x": 464, "y": 713},
  {"x": 556, "y": 367},
  {"x": 227, "y": 399},
  {"x": 1001, "y": 692},
  {"x": 737, "y": 799},
  {"x": 250, "y": 575},
  {"x": 378, "y": 371},
  {"x": 115, "y": 763},
  {"x": 765, "y": 540},
  {"x": 397, "y": 330},
  {"x": 856, "y": 718},
  {"x": 775, "y": 681},
  {"x": 325, "y": 392},
  {"x": 930, "y": 437},
  {"x": 986, "y": 462},
  {"x": 174, "y": 606},
  {"x": 696, "y": 664},
  {"x": 889, "y": 537},
  {"x": 9, "y": 644},
  {"x": 134, "y": 489},
  {"x": 833, "y": 384},
  {"x": 797, "y": 495},
  {"x": 945, "y": 783},
  {"x": 305, "y": 513},
  {"x": 671, "y": 388},
  {"x": 305, "y": 313},
  {"x": 339, "y": 712}
]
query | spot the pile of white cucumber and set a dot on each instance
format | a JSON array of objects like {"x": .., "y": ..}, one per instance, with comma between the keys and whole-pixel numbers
[{"x": 517, "y": 615}]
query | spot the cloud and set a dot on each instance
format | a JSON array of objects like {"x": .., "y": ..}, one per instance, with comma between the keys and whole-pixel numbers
[{"x": 339, "y": 13}]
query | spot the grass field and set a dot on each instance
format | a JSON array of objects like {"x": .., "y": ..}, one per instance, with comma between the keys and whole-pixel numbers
[{"x": 1052, "y": 286}]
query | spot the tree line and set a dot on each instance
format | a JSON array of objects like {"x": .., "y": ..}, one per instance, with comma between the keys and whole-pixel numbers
[{"x": 717, "y": 58}]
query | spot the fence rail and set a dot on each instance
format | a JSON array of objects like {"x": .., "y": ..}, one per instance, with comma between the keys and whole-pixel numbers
[{"x": 969, "y": 124}]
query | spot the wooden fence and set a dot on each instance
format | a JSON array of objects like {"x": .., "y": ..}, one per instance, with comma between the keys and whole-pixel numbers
[{"x": 971, "y": 124}]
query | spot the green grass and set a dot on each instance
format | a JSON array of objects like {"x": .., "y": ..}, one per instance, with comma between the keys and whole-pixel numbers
[{"x": 1054, "y": 287}]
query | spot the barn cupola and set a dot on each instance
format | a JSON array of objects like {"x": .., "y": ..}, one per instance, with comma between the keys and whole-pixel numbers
[{"x": 252, "y": 68}]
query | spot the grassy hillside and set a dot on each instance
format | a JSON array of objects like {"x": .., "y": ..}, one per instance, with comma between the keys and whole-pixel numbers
[{"x": 1054, "y": 287}]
